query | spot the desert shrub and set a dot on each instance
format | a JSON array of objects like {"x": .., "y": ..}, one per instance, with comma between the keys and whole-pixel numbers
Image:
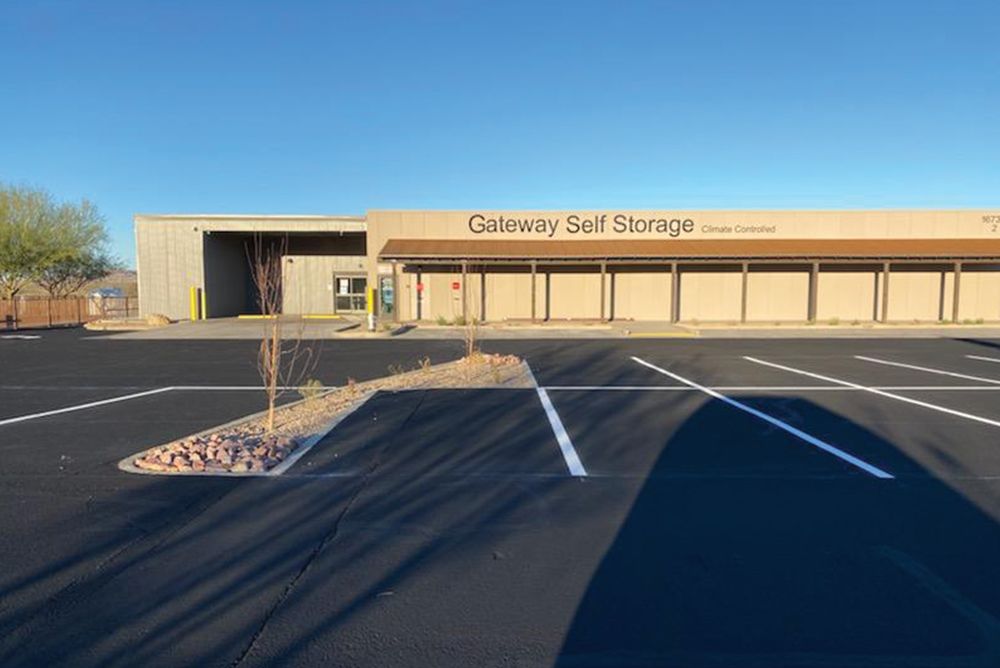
[
  {"x": 441, "y": 320},
  {"x": 311, "y": 389},
  {"x": 157, "y": 319}
]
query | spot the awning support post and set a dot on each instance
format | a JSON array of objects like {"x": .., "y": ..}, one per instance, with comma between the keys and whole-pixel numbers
[
  {"x": 941, "y": 294},
  {"x": 604, "y": 271},
  {"x": 813, "y": 291},
  {"x": 885, "y": 292},
  {"x": 420, "y": 293},
  {"x": 465, "y": 291},
  {"x": 743, "y": 289},
  {"x": 482, "y": 293},
  {"x": 675, "y": 291},
  {"x": 957, "y": 293},
  {"x": 534, "y": 291}
]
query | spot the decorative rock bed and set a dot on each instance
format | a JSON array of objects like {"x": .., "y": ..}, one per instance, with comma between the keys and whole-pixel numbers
[
  {"x": 235, "y": 452},
  {"x": 244, "y": 447}
]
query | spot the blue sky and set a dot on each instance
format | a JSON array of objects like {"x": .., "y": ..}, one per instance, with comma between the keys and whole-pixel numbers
[{"x": 323, "y": 107}]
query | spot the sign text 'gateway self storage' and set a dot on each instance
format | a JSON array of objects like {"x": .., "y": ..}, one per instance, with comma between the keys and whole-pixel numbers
[{"x": 575, "y": 224}]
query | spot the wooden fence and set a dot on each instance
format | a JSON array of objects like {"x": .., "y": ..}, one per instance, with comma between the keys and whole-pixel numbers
[{"x": 25, "y": 312}]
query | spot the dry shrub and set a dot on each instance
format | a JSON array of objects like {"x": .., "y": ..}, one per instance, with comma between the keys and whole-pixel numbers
[
  {"x": 311, "y": 389},
  {"x": 157, "y": 319}
]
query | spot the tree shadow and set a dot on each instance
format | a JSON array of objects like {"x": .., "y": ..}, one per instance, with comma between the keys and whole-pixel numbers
[
  {"x": 808, "y": 569},
  {"x": 987, "y": 343}
]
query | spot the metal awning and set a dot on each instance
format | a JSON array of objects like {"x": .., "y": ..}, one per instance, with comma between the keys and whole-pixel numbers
[{"x": 690, "y": 250}]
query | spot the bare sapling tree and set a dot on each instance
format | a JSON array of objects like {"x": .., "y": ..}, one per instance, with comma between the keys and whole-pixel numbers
[
  {"x": 471, "y": 339},
  {"x": 282, "y": 361}
]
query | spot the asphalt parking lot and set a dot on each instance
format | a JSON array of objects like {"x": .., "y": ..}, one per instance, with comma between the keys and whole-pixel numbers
[{"x": 659, "y": 502}]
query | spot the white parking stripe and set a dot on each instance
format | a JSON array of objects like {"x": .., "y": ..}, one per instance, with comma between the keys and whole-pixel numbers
[
  {"x": 794, "y": 431},
  {"x": 881, "y": 393},
  {"x": 569, "y": 453},
  {"x": 80, "y": 407},
  {"x": 983, "y": 359},
  {"x": 573, "y": 462},
  {"x": 184, "y": 388},
  {"x": 764, "y": 388},
  {"x": 940, "y": 372}
]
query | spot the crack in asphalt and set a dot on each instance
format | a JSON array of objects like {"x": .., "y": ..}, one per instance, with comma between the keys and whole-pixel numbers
[
  {"x": 81, "y": 587},
  {"x": 330, "y": 535}
]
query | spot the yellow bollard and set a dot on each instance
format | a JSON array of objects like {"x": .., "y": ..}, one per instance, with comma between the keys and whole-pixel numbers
[
  {"x": 204, "y": 305},
  {"x": 194, "y": 303},
  {"x": 370, "y": 307}
]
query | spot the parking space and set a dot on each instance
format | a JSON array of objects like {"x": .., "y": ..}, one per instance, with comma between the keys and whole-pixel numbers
[
  {"x": 709, "y": 503},
  {"x": 683, "y": 434},
  {"x": 441, "y": 433}
]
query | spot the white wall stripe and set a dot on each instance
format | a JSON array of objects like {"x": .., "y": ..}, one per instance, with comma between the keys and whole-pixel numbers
[
  {"x": 881, "y": 393},
  {"x": 794, "y": 431}
]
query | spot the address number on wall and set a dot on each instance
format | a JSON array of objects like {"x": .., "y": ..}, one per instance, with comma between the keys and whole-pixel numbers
[{"x": 992, "y": 222}]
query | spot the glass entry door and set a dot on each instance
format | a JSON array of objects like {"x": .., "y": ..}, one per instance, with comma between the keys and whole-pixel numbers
[{"x": 349, "y": 294}]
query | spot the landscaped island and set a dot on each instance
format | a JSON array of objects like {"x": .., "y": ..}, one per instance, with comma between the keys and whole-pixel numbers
[{"x": 245, "y": 447}]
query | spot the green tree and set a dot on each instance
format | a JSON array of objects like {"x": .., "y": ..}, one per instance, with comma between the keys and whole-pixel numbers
[
  {"x": 44, "y": 240},
  {"x": 68, "y": 276}
]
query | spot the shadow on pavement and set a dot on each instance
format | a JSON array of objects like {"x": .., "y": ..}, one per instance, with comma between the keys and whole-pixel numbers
[{"x": 437, "y": 529}]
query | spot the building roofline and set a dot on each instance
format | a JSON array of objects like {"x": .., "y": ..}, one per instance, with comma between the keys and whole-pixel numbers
[
  {"x": 603, "y": 209},
  {"x": 246, "y": 216}
]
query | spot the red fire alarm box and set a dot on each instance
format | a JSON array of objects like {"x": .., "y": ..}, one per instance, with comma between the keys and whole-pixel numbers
[
  {"x": 455, "y": 285},
  {"x": 420, "y": 287}
]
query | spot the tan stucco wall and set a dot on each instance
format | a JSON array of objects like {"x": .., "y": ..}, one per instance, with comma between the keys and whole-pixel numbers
[
  {"x": 384, "y": 225},
  {"x": 508, "y": 296},
  {"x": 980, "y": 295},
  {"x": 915, "y": 295},
  {"x": 641, "y": 295},
  {"x": 846, "y": 296},
  {"x": 575, "y": 296},
  {"x": 777, "y": 296},
  {"x": 710, "y": 296},
  {"x": 170, "y": 261}
]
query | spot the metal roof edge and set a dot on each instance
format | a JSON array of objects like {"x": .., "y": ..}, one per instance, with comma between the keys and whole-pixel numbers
[{"x": 247, "y": 216}]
